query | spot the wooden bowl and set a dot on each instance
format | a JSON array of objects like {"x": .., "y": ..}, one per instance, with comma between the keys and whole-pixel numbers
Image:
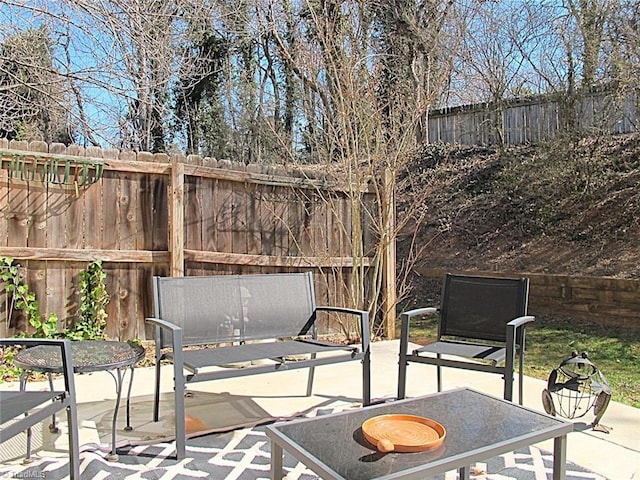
[{"x": 403, "y": 433}]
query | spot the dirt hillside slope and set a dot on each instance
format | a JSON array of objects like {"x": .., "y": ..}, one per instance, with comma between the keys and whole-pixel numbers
[{"x": 563, "y": 208}]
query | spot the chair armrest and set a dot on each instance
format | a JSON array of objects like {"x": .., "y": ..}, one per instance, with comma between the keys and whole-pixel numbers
[
  {"x": 352, "y": 311},
  {"x": 512, "y": 327},
  {"x": 405, "y": 317},
  {"x": 364, "y": 321},
  {"x": 419, "y": 311},
  {"x": 175, "y": 330},
  {"x": 158, "y": 322},
  {"x": 405, "y": 320},
  {"x": 520, "y": 321}
]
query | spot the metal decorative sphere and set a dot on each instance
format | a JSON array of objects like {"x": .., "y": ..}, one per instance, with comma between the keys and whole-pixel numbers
[{"x": 575, "y": 387}]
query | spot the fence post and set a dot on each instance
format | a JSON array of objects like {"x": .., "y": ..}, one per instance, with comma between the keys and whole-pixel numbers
[{"x": 176, "y": 220}]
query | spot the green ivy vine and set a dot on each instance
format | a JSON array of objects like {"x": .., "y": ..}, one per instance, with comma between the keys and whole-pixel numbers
[
  {"x": 22, "y": 298},
  {"x": 91, "y": 319},
  {"x": 92, "y": 316}
]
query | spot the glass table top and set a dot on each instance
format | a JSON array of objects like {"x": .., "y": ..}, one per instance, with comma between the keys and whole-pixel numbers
[
  {"x": 474, "y": 423},
  {"x": 87, "y": 356}
]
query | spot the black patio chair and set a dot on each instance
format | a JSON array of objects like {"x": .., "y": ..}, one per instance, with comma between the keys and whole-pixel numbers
[
  {"x": 23, "y": 409},
  {"x": 481, "y": 327}
]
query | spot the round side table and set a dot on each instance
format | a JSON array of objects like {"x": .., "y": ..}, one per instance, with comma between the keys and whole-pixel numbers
[{"x": 87, "y": 356}]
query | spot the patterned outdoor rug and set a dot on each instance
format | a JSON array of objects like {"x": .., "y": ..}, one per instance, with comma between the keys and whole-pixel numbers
[{"x": 243, "y": 454}]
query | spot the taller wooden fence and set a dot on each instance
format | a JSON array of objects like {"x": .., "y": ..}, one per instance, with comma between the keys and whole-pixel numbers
[
  {"x": 532, "y": 119},
  {"x": 144, "y": 215}
]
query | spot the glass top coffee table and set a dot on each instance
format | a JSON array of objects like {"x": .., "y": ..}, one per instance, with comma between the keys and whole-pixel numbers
[
  {"x": 478, "y": 427},
  {"x": 87, "y": 356}
]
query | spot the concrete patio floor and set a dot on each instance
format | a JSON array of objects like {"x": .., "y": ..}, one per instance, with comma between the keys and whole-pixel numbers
[{"x": 614, "y": 455}]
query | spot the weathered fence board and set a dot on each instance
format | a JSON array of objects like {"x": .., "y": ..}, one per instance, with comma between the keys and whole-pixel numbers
[
  {"x": 223, "y": 211},
  {"x": 74, "y": 228},
  {"x": 208, "y": 213},
  {"x": 239, "y": 220},
  {"x": 111, "y": 211},
  {"x": 57, "y": 291},
  {"x": 194, "y": 214},
  {"x": 129, "y": 203},
  {"x": 17, "y": 225},
  {"x": 93, "y": 217},
  {"x": 125, "y": 291},
  {"x": 158, "y": 209}
]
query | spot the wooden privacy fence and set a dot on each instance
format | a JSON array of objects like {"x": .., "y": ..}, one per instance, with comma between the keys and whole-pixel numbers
[
  {"x": 532, "y": 119},
  {"x": 605, "y": 300},
  {"x": 144, "y": 214}
]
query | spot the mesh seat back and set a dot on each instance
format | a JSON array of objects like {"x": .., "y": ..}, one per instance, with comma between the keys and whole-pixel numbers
[
  {"x": 230, "y": 308},
  {"x": 480, "y": 307}
]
